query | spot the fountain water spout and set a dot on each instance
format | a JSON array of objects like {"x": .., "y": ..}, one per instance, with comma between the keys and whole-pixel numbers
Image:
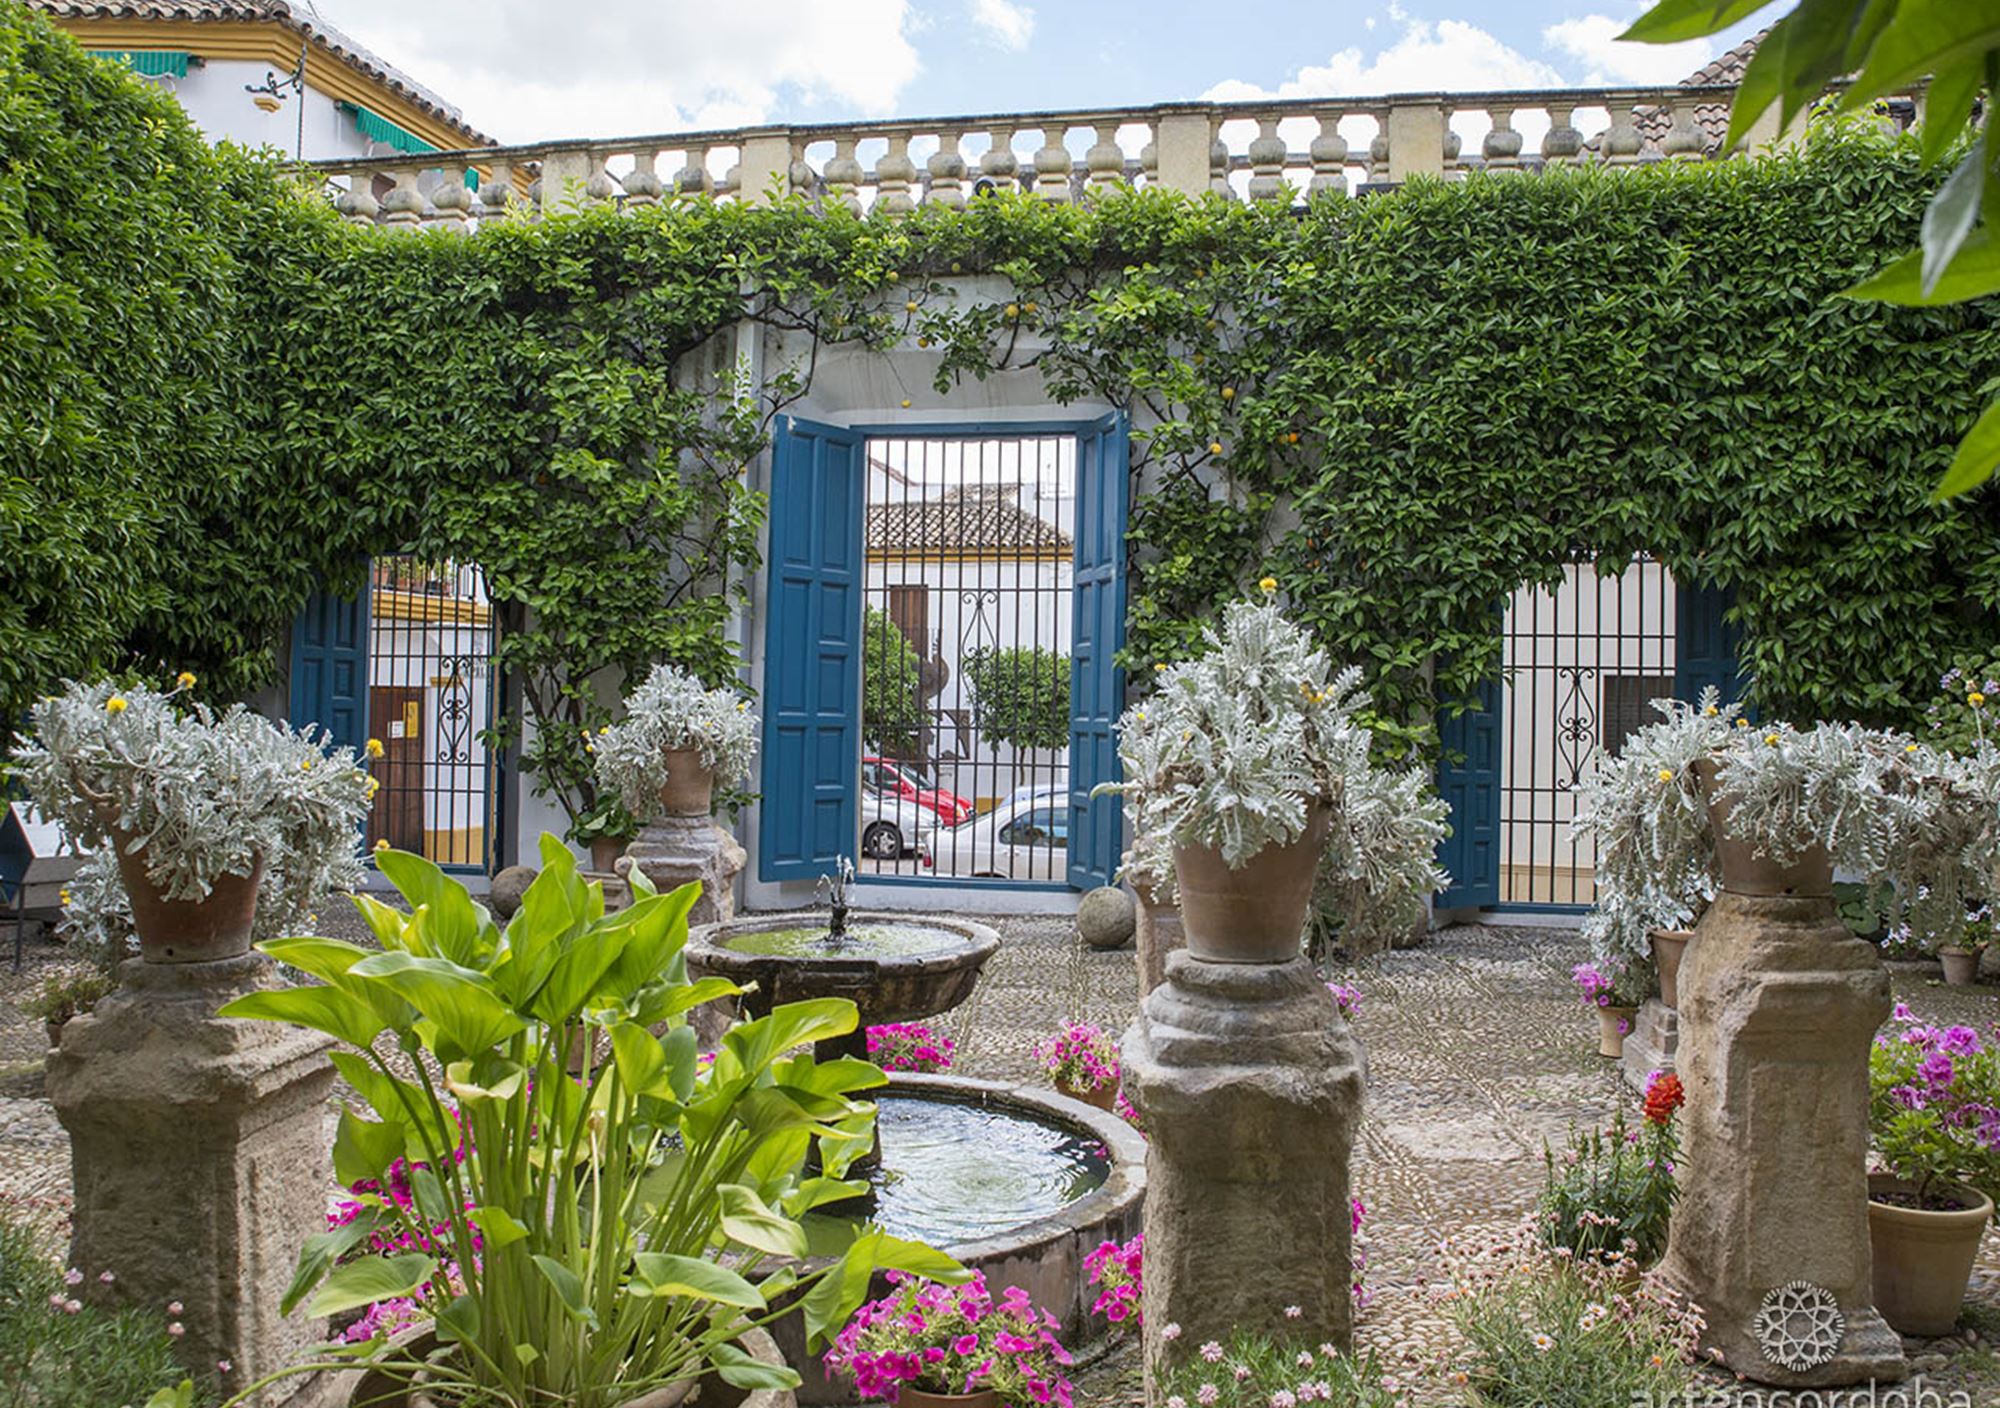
[{"x": 834, "y": 889}]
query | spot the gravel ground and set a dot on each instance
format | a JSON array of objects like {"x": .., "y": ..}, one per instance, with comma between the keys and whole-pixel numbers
[{"x": 1477, "y": 1053}]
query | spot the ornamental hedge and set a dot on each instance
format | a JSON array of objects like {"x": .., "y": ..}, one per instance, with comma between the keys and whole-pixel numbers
[{"x": 216, "y": 397}]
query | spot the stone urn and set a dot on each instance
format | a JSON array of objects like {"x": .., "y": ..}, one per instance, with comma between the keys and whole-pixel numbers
[
  {"x": 217, "y": 926},
  {"x": 690, "y": 786},
  {"x": 1961, "y": 965},
  {"x": 1255, "y": 912},
  {"x": 1669, "y": 946},
  {"x": 1613, "y": 1025},
  {"x": 1923, "y": 1256}
]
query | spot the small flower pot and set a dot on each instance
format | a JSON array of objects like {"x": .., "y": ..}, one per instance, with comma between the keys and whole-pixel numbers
[
  {"x": 907, "y": 1397},
  {"x": 189, "y": 931},
  {"x": 1742, "y": 869},
  {"x": 1923, "y": 1258},
  {"x": 690, "y": 787},
  {"x": 1669, "y": 947},
  {"x": 1105, "y": 1097},
  {"x": 1961, "y": 966},
  {"x": 604, "y": 853},
  {"x": 1612, "y": 1025},
  {"x": 1255, "y": 913}
]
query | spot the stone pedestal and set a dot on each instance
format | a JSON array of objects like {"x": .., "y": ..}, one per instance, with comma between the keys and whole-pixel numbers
[
  {"x": 1250, "y": 1087},
  {"x": 1651, "y": 1044},
  {"x": 1778, "y": 1005},
  {"x": 1157, "y": 931},
  {"x": 677, "y": 849},
  {"x": 200, "y": 1156}
]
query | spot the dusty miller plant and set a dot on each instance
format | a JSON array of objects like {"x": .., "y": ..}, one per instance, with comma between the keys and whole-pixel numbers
[
  {"x": 199, "y": 795},
  {"x": 669, "y": 712},
  {"x": 1946, "y": 862},
  {"x": 1381, "y": 858}
]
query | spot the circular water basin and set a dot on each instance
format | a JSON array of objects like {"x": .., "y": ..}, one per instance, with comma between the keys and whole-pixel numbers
[
  {"x": 894, "y": 967},
  {"x": 859, "y": 942}
]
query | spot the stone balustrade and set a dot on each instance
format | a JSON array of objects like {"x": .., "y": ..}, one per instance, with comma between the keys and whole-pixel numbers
[{"x": 1290, "y": 149}]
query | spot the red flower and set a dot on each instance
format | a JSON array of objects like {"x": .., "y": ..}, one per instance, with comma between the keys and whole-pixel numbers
[{"x": 1664, "y": 1096}]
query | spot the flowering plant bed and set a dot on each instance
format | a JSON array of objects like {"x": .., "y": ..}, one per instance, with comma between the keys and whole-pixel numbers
[
  {"x": 1081, "y": 1058},
  {"x": 1608, "y": 1197},
  {"x": 951, "y": 1340},
  {"x": 909, "y": 1046},
  {"x": 1119, "y": 1273},
  {"x": 1271, "y": 1371},
  {"x": 1934, "y": 1105}
]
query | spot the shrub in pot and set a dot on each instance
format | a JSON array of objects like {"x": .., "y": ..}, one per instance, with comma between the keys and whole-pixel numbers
[
  {"x": 1247, "y": 772},
  {"x": 676, "y": 741},
  {"x": 605, "y": 830},
  {"x": 64, "y": 992},
  {"x": 1934, "y": 1116},
  {"x": 588, "y": 1238},
  {"x": 1612, "y": 990},
  {"x": 931, "y": 1346},
  {"x": 205, "y": 829},
  {"x": 1082, "y": 1060}
]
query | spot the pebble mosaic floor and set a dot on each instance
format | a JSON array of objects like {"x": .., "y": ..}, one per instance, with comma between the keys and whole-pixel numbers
[{"x": 1477, "y": 1053}]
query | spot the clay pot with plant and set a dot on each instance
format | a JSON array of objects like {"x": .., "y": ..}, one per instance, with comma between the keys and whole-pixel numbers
[
  {"x": 1083, "y": 1063},
  {"x": 64, "y": 992},
  {"x": 203, "y": 829},
  {"x": 676, "y": 741}
]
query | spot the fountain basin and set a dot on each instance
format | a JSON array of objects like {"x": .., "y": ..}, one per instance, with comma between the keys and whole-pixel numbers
[
  {"x": 893, "y": 967},
  {"x": 989, "y": 1122}
]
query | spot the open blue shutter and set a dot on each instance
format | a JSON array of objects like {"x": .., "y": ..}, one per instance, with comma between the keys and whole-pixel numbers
[
  {"x": 1469, "y": 780},
  {"x": 330, "y": 667},
  {"x": 1097, "y": 632},
  {"x": 812, "y": 653},
  {"x": 1705, "y": 645}
]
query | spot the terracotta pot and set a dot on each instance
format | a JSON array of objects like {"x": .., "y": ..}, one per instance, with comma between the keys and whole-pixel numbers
[
  {"x": 604, "y": 853},
  {"x": 1669, "y": 947},
  {"x": 189, "y": 931},
  {"x": 1923, "y": 1260},
  {"x": 907, "y": 1397},
  {"x": 1105, "y": 1097},
  {"x": 1742, "y": 870},
  {"x": 690, "y": 787},
  {"x": 1613, "y": 1025},
  {"x": 1256, "y": 913},
  {"x": 1158, "y": 933},
  {"x": 1961, "y": 966}
]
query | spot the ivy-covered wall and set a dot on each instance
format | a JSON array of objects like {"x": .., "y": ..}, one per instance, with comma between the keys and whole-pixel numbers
[{"x": 214, "y": 396}]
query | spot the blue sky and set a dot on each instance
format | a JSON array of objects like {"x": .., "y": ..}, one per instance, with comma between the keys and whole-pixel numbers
[{"x": 524, "y": 70}]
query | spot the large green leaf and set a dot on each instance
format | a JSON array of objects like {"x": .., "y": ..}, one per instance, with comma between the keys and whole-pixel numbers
[
  {"x": 1672, "y": 21},
  {"x": 1926, "y": 35},
  {"x": 568, "y": 1287},
  {"x": 663, "y": 1274},
  {"x": 750, "y": 1220},
  {"x": 443, "y": 911},
  {"x": 319, "y": 1254},
  {"x": 756, "y": 1044},
  {"x": 1949, "y": 218},
  {"x": 324, "y": 1009},
  {"x": 1977, "y": 455},
  {"x": 1974, "y": 273},
  {"x": 368, "y": 1279},
  {"x": 463, "y": 1003},
  {"x": 364, "y": 1149},
  {"x": 740, "y": 1370}
]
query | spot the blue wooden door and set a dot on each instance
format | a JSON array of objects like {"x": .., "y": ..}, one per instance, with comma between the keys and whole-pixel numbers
[
  {"x": 1706, "y": 646},
  {"x": 1469, "y": 780},
  {"x": 330, "y": 667},
  {"x": 1097, "y": 632},
  {"x": 812, "y": 652}
]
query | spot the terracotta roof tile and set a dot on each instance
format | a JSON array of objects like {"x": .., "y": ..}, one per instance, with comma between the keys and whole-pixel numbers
[{"x": 978, "y": 518}]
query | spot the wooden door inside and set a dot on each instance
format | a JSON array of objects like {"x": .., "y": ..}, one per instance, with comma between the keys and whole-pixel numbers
[{"x": 397, "y": 712}]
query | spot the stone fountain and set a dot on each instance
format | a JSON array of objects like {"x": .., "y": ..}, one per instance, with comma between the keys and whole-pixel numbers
[{"x": 1016, "y": 1181}]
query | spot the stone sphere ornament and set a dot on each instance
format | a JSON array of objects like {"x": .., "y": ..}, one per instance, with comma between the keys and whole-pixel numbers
[
  {"x": 1106, "y": 918},
  {"x": 503, "y": 897}
]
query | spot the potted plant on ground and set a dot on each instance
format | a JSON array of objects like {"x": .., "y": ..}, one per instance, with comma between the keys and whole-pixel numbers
[
  {"x": 1614, "y": 991},
  {"x": 1237, "y": 768},
  {"x": 1608, "y": 1197},
  {"x": 929, "y": 1346},
  {"x": 63, "y": 992},
  {"x": 606, "y": 829},
  {"x": 1082, "y": 1060},
  {"x": 1934, "y": 1115},
  {"x": 597, "y": 1240},
  {"x": 910, "y": 1046},
  {"x": 676, "y": 740},
  {"x": 207, "y": 817}
]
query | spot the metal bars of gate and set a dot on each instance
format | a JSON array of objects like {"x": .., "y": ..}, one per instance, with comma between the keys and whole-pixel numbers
[{"x": 970, "y": 562}]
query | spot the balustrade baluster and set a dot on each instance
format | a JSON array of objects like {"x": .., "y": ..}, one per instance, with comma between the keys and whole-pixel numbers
[
  {"x": 643, "y": 186},
  {"x": 602, "y": 188},
  {"x": 451, "y": 202},
  {"x": 1267, "y": 161},
  {"x": 1218, "y": 162},
  {"x": 894, "y": 173},
  {"x": 844, "y": 174},
  {"x": 496, "y": 192},
  {"x": 1329, "y": 158},
  {"x": 1562, "y": 143},
  {"x": 358, "y": 201},
  {"x": 1105, "y": 160},
  {"x": 1502, "y": 145},
  {"x": 694, "y": 179},
  {"x": 1621, "y": 141},
  {"x": 1053, "y": 166},
  {"x": 947, "y": 168},
  {"x": 999, "y": 165},
  {"x": 404, "y": 206},
  {"x": 1685, "y": 141}
]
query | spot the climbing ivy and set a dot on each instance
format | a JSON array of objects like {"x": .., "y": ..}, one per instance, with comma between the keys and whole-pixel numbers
[{"x": 216, "y": 398}]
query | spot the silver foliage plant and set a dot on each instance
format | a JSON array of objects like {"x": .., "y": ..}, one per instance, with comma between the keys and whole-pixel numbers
[
  {"x": 199, "y": 795},
  {"x": 1236, "y": 744},
  {"x": 669, "y": 712}
]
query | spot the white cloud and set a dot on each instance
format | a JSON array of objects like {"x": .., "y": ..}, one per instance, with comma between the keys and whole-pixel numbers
[
  {"x": 529, "y": 70},
  {"x": 1592, "y": 40},
  {"x": 1007, "y": 24},
  {"x": 1445, "y": 56}
]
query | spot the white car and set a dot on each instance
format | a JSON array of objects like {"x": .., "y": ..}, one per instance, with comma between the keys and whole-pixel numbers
[
  {"x": 893, "y": 827},
  {"x": 1025, "y": 839}
]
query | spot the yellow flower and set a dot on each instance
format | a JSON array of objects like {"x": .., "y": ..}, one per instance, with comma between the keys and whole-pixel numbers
[
  {"x": 1910, "y": 747},
  {"x": 1711, "y": 711},
  {"x": 1215, "y": 447},
  {"x": 62, "y": 896},
  {"x": 1160, "y": 665},
  {"x": 381, "y": 846},
  {"x": 1666, "y": 774},
  {"x": 1743, "y": 723},
  {"x": 1268, "y": 586},
  {"x": 374, "y": 748},
  {"x": 184, "y": 680},
  {"x": 1772, "y": 739},
  {"x": 306, "y": 765},
  {"x": 1139, "y": 714},
  {"x": 603, "y": 729},
  {"x": 1976, "y": 699},
  {"x": 114, "y": 705},
  {"x": 742, "y": 706},
  {"x": 374, "y": 786}
]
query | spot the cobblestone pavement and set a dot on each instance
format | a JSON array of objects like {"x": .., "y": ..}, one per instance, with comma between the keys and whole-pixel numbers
[{"x": 1477, "y": 1050}]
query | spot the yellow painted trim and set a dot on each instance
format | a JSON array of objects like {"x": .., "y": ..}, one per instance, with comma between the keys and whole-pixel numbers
[
  {"x": 268, "y": 42},
  {"x": 422, "y": 606},
  {"x": 462, "y": 846}
]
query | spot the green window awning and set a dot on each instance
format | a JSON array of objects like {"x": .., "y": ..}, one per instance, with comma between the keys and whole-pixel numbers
[
  {"x": 149, "y": 63},
  {"x": 377, "y": 128}
]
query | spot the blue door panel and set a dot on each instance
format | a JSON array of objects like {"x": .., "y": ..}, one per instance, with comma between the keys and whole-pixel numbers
[
  {"x": 329, "y": 674},
  {"x": 812, "y": 671},
  {"x": 1706, "y": 645},
  {"x": 1097, "y": 632},
  {"x": 1469, "y": 781}
]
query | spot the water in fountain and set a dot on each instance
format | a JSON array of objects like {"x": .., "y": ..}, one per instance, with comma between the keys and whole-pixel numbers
[{"x": 866, "y": 941}]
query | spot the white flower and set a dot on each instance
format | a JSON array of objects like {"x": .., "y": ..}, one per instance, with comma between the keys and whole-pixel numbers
[{"x": 1170, "y": 1332}]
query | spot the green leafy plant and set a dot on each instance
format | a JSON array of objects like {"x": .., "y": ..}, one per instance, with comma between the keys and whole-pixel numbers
[
  {"x": 892, "y": 688},
  {"x": 1610, "y": 1194},
  {"x": 1934, "y": 1106},
  {"x": 669, "y": 712},
  {"x": 67, "y": 991},
  {"x": 1254, "y": 1369},
  {"x": 1963, "y": 712},
  {"x": 1021, "y": 694},
  {"x": 593, "y": 1214},
  {"x": 608, "y": 819}
]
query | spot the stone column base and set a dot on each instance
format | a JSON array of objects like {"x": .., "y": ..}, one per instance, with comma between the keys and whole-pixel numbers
[
  {"x": 199, "y": 1150},
  {"x": 677, "y": 849},
  {"x": 1651, "y": 1044},
  {"x": 1250, "y": 1085}
]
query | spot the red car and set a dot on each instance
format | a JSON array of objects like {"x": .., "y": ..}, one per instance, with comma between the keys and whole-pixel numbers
[{"x": 899, "y": 779}]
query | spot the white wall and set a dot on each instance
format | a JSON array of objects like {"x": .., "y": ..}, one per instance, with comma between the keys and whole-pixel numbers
[{"x": 213, "y": 95}]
